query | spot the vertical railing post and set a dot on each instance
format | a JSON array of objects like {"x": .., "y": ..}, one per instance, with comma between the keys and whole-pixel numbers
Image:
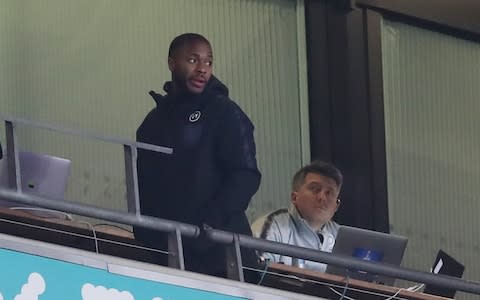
[
  {"x": 131, "y": 179},
  {"x": 234, "y": 260},
  {"x": 13, "y": 162},
  {"x": 175, "y": 250}
]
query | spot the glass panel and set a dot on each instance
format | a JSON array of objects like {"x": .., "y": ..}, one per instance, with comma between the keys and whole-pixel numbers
[{"x": 431, "y": 94}]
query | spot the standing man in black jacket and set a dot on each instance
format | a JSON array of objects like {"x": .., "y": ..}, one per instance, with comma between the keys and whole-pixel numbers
[{"x": 212, "y": 174}]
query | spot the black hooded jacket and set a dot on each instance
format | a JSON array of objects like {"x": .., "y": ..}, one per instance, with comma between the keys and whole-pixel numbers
[{"x": 212, "y": 173}]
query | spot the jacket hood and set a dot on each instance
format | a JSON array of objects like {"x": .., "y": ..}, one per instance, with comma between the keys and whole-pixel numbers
[{"x": 213, "y": 88}]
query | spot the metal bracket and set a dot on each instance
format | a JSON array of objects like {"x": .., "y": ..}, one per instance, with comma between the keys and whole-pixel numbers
[
  {"x": 13, "y": 162},
  {"x": 234, "y": 260},
  {"x": 175, "y": 250},
  {"x": 130, "y": 156}
]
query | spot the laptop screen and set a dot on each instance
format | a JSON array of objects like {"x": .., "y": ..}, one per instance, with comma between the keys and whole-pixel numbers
[
  {"x": 44, "y": 175},
  {"x": 367, "y": 245},
  {"x": 40, "y": 174}
]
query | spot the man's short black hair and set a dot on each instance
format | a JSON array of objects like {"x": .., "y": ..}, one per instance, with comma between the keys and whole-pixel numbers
[
  {"x": 317, "y": 167},
  {"x": 184, "y": 39}
]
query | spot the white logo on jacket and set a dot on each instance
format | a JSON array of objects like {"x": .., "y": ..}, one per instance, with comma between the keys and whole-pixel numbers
[{"x": 195, "y": 116}]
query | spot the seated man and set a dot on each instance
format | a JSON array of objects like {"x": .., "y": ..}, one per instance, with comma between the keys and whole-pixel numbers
[{"x": 308, "y": 221}]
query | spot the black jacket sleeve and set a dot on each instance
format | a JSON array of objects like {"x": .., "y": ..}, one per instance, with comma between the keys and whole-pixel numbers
[
  {"x": 236, "y": 155},
  {"x": 146, "y": 173}
]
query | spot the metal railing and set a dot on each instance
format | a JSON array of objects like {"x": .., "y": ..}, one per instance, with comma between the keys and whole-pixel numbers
[
  {"x": 234, "y": 242},
  {"x": 347, "y": 262},
  {"x": 129, "y": 150},
  {"x": 176, "y": 230},
  {"x": 14, "y": 180}
]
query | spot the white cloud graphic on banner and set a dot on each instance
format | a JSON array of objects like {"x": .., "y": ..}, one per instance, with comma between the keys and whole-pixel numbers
[
  {"x": 33, "y": 288},
  {"x": 156, "y": 298},
  {"x": 1, "y": 297},
  {"x": 90, "y": 292}
]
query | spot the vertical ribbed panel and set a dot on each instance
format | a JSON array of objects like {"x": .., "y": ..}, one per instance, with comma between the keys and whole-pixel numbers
[
  {"x": 90, "y": 64},
  {"x": 9, "y": 72},
  {"x": 432, "y": 88}
]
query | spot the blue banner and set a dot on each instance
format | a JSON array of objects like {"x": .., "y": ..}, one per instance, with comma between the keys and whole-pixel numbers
[{"x": 30, "y": 277}]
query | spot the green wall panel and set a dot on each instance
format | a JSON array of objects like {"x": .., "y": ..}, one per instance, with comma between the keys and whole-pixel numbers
[
  {"x": 89, "y": 65},
  {"x": 431, "y": 92}
]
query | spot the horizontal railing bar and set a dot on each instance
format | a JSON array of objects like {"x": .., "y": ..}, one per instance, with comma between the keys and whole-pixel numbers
[
  {"x": 345, "y": 261},
  {"x": 213, "y": 234},
  {"x": 85, "y": 134},
  {"x": 224, "y": 237},
  {"x": 101, "y": 213}
]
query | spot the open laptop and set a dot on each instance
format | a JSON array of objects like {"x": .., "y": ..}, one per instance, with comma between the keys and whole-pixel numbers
[
  {"x": 445, "y": 265},
  {"x": 368, "y": 245},
  {"x": 40, "y": 174}
]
